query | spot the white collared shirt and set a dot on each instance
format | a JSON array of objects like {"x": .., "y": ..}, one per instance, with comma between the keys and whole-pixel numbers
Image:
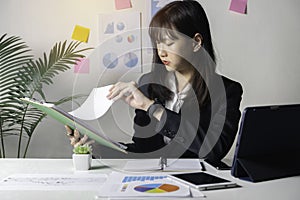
[{"x": 176, "y": 103}]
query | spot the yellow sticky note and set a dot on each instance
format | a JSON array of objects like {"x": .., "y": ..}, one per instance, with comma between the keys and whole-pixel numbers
[{"x": 81, "y": 33}]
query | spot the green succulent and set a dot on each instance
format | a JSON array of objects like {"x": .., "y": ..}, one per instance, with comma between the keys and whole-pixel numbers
[{"x": 82, "y": 149}]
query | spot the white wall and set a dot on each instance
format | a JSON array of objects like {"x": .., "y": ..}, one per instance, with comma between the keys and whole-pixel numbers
[{"x": 260, "y": 49}]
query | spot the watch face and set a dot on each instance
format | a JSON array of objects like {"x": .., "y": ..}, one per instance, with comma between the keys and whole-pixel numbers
[{"x": 153, "y": 108}]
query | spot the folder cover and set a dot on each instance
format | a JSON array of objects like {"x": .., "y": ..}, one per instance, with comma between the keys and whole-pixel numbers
[
  {"x": 267, "y": 168},
  {"x": 268, "y": 143},
  {"x": 75, "y": 123}
]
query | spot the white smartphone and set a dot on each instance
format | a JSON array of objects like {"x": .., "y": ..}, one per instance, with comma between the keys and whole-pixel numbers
[{"x": 203, "y": 180}]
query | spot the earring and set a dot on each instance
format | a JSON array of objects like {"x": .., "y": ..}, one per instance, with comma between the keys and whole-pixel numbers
[
  {"x": 197, "y": 47},
  {"x": 198, "y": 42}
]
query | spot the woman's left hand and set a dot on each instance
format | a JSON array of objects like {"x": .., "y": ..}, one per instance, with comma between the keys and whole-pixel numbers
[{"x": 129, "y": 92}]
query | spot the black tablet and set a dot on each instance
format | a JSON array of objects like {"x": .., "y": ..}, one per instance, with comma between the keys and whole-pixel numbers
[
  {"x": 267, "y": 145},
  {"x": 203, "y": 180}
]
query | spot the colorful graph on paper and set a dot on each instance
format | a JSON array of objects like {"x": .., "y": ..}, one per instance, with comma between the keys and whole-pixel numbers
[
  {"x": 156, "y": 188},
  {"x": 128, "y": 179}
]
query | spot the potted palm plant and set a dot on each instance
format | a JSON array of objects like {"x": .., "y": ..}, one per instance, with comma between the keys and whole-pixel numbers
[
  {"x": 22, "y": 76},
  {"x": 82, "y": 157}
]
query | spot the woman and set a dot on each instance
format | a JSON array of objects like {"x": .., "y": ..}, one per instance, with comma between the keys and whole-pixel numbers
[{"x": 183, "y": 108}]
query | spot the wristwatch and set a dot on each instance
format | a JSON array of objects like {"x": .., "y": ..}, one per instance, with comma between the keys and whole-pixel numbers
[{"x": 153, "y": 107}]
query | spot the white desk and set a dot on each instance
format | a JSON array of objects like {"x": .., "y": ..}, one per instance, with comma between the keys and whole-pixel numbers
[{"x": 280, "y": 189}]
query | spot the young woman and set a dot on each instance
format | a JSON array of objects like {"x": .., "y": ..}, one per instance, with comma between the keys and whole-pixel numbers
[{"x": 182, "y": 107}]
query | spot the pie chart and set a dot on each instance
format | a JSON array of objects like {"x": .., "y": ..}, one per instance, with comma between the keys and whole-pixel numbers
[
  {"x": 130, "y": 59},
  {"x": 156, "y": 188},
  {"x": 110, "y": 60}
]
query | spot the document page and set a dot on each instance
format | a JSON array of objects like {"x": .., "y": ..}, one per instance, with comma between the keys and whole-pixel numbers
[
  {"x": 142, "y": 185},
  {"x": 95, "y": 105},
  {"x": 82, "y": 182}
]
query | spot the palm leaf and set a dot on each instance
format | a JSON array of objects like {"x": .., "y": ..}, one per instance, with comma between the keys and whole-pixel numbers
[
  {"x": 13, "y": 54},
  {"x": 23, "y": 77},
  {"x": 41, "y": 72}
]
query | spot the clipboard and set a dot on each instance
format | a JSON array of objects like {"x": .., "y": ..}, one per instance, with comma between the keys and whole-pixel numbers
[{"x": 75, "y": 123}]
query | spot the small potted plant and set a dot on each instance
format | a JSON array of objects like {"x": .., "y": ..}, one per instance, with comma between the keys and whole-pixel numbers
[{"x": 82, "y": 157}]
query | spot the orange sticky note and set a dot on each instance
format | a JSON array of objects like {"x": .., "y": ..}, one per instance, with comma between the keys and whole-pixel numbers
[
  {"x": 122, "y": 4},
  {"x": 82, "y": 66},
  {"x": 81, "y": 33}
]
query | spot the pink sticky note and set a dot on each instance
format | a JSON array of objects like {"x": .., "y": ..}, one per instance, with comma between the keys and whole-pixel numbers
[
  {"x": 82, "y": 66},
  {"x": 122, "y": 4},
  {"x": 239, "y": 6}
]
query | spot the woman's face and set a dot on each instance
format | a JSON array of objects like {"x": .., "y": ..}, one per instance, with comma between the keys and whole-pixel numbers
[{"x": 175, "y": 53}]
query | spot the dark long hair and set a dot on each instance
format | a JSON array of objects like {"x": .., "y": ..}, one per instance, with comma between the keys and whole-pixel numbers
[{"x": 188, "y": 18}]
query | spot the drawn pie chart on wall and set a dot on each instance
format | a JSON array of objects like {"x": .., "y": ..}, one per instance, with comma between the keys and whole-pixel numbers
[
  {"x": 110, "y": 60},
  {"x": 131, "y": 38},
  {"x": 120, "y": 26},
  {"x": 130, "y": 59},
  {"x": 119, "y": 39},
  {"x": 156, "y": 188}
]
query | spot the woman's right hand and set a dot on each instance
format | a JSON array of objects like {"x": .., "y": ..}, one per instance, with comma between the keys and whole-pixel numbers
[
  {"x": 129, "y": 92},
  {"x": 75, "y": 139}
]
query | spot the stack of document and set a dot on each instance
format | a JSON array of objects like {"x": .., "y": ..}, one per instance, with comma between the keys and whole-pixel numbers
[{"x": 125, "y": 185}]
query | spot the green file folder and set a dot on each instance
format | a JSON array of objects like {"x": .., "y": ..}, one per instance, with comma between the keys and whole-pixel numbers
[{"x": 75, "y": 123}]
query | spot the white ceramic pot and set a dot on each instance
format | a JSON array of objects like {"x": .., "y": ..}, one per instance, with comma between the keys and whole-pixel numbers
[{"x": 82, "y": 161}]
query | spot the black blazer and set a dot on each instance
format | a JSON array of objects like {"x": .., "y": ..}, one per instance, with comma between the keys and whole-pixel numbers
[{"x": 188, "y": 129}]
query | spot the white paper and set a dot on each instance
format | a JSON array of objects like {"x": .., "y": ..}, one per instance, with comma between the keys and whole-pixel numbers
[
  {"x": 172, "y": 165},
  {"x": 136, "y": 185},
  {"x": 53, "y": 182},
  {"x": 95, "y": 105}
]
